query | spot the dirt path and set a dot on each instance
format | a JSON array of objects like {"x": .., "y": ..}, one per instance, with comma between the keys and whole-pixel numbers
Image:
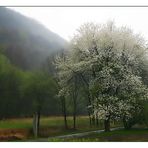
[{"x": 77, "y": 135}]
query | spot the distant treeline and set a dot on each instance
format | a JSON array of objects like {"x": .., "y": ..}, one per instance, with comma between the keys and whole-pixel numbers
[{"x": 21, "y": 92}]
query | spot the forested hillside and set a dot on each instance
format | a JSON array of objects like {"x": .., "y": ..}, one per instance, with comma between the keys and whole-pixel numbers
[
  {"x": 25, "y": 41},
  {"x": 26, "y": 47}
]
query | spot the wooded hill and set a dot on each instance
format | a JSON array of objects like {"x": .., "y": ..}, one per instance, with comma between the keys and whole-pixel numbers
[
  {"x": 26, "y": 49},
  {"x": 26, "y": 42}
]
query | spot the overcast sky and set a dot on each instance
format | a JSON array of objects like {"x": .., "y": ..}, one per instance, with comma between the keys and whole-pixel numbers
[{"x": 65, "y": 20}]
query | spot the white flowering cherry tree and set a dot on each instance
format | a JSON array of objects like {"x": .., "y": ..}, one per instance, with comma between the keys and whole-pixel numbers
[{"x": 106, "y": 59}]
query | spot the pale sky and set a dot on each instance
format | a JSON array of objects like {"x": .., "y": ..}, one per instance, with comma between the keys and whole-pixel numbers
[{"x": 65, "y": 20}]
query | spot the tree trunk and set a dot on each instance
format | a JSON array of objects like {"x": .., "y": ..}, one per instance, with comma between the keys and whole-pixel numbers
[
  {"x": 89, "y": 118},
  {"x": 75, "y": 95},
  {"x": 93, "y": 116},
  {"x": 64, "y": 111},
  {"x": 107, "y": 125},
  {"x": 36, "y": 123},
  {"x": 93, "y": 120},
  {"x": 74, "y": 115},
  {"x": 126, "y": 124},
  {"x": 89, "y": 112},
  {"x": 97, "y": 121}
]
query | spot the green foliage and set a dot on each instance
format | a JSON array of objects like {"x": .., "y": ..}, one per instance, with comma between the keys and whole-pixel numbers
[
  {"x": 9, "y": 88},
  {"x": 22, "y": 91},
  {"x": 38, "y": 89}
]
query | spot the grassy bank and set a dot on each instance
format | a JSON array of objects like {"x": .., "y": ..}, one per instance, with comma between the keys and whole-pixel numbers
[{"x": 133, "y": 135}]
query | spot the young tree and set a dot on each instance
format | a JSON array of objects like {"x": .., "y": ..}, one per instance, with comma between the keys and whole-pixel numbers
[
  {"x": 68, "y": 82},
  {"x": 62, "y": 95},
  {"x": 39, "y": 88}
]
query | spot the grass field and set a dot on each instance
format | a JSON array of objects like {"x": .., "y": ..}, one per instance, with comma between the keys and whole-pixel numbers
[
  {"x": 49, "y": 127},
  {"x": 21, "y": 130},
  {"x": 133, "y": 135}
]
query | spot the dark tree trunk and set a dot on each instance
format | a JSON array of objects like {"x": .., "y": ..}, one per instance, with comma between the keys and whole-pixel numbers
[
  {"x": 74, "y": 96},
  {"x": 126, "y": 124},
  {"x": 74, "y": 109},
  {"x": 89, "y": 118},
  {"x": 97, "y": 121},
  {"x": 36, "y": 123},
  {"x": 93, "y": 116},
  {"x": 64, "y": 112},
  {"x": 74, "y": 115},
  {"x": 107, "y": 125},
  {"x": 89, "y": 112},
  {"x": 65, "y": 116},
  {"x": 93, "y": 120}
]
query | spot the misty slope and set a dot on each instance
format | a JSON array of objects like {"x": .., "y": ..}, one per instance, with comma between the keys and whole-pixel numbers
[{"x": 26, "y": 42}]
